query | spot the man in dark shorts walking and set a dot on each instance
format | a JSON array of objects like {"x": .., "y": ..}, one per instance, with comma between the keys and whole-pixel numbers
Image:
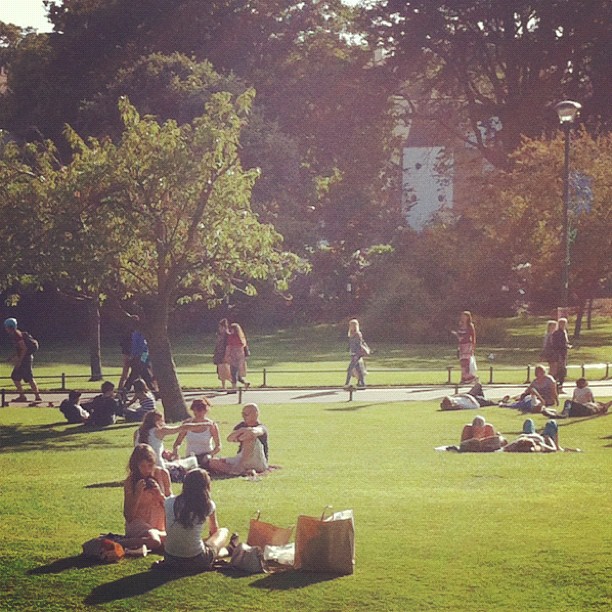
[{"x": 22, "y": 361}]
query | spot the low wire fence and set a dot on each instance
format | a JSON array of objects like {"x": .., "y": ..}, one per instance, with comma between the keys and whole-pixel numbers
[{"x": 313, "y": 378}]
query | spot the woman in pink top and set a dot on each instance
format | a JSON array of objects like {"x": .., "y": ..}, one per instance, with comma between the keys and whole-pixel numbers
[{"x": 466, "y": 335}]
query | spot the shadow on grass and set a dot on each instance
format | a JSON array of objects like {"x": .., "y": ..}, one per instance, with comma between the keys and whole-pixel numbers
[
  {"x": 105, "y": 485},
  {"x": 61, "y": 565},
  {"x": 351, "y": 407},
  {"x": 130, "y": 586},
  {"x": 22, "y": 438},
  {"x": 319, "y": 394},
  {"x": 285, "y": 581}
]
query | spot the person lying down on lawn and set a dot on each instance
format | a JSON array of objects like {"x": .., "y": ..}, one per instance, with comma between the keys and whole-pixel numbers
[
  {"x": 478, "y": 437},
  {"x": 532, "y": 442}
]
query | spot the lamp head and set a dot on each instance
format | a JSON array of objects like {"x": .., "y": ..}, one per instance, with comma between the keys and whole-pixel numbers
[{"x": 567, "y": 110}]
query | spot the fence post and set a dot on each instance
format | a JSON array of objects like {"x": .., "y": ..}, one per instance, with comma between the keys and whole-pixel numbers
[
  {"x": 582, "y": 370},
  {"x": 528, "y": 373},
  {"x": 4, "y": 404},
  {"x": 63, "y": 381},
  {"x": 490, "y": 375},
  {"x": 449, "y": 368},
  {"x": 240, "y": 395},
  {"x": 350, "y": 399},
  {"x": 607, "y": 370},
  {"x": 265, "y": 378}
]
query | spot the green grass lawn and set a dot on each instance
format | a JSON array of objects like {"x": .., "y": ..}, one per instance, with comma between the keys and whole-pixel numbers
[
  {"x": 317, "y": 356},
  {"x": 434, "y": 530}
]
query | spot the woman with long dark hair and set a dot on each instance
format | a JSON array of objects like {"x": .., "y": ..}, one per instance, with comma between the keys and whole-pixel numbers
[
  {"x": 144, "y": 491},
  {"x": 185, "y": 518}
]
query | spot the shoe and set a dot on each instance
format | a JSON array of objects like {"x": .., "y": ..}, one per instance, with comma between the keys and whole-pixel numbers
[
  {"x": 141, "y": 551},
  {"x": 505, "y": 399},
  {"x": 20, "y": 398},
  {"x": 247, "y": 384},
  {"x": 361, "y": 386}
]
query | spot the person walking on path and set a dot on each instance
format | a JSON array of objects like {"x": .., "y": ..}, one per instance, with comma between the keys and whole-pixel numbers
[
  {"x": 561, "y": 344},
  {"x": 466, "y": 336},
  {"x": 358, "y": 349},
  {"x": 236, "y": 352},
  {"x": 23, "y": 360},
  {"x": 223, "y": 368}
]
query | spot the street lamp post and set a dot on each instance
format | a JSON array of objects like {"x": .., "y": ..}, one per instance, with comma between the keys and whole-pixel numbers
[{"x": 567, "y": 112}]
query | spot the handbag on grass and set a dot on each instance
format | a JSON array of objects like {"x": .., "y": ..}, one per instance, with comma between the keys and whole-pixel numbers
[
  {"x": 248, "y": 559},
  {"x": 265, "y": 534},
  {"x": 103, "y": 549},
  {"x": 326, "y": 544}
]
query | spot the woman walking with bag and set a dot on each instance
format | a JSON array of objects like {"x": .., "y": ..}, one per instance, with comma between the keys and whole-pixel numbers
[
  {"x": 466, "y": 335},
  {"x": 358, "y": 349}
]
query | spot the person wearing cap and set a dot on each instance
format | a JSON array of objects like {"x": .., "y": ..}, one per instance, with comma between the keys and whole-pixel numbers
[
  {"x": 72, "y": 410},
  {"x": 22, "y": 362}
]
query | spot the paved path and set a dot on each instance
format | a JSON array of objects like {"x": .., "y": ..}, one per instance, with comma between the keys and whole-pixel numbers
[{"x": 602, "y": 388}]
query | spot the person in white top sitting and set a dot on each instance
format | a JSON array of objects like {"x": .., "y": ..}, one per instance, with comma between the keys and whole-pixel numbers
[{"x": 202, "y": 442}]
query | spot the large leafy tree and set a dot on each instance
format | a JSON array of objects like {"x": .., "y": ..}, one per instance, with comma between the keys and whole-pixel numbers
[
  {"x": 462, "y": 63},
  {"x": 165, "y": 214}
]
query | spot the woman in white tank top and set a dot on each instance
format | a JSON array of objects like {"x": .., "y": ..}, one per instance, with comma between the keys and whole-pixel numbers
[{"x": 202, "y": 441}]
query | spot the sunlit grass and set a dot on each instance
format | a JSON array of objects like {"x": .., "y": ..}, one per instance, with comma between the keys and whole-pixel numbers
[{"x": 434, "y": 531}]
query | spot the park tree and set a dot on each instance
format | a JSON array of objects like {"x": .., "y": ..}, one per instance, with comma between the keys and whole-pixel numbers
[
  {"x": 465, "y": 65},
  {"x": 168, "y": 220},
  {"x": 520, "y": 212}
]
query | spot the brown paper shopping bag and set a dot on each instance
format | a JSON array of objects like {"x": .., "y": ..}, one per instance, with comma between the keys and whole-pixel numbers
[
  {"x": 265, "y": 534},
  {"x": 326, "y": 544}
]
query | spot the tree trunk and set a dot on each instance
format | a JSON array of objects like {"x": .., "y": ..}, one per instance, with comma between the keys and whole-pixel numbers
[
  {"x": 590, "y": 313},
  {"x": 156, "y": 329},
  {"x": 93, "y": 326},
  {"x": 579, "y": 315}
]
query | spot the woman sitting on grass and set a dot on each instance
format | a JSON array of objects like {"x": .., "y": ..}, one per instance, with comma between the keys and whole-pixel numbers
[
  {"x": 145, "y": 399},
  {"x": 203, "y": 442},
  {"x": 185, "y": 518},
  {"x": 144, "y": 492},
  {"x": 480, "y": 437},
  {"x": 152, "y": 432}
]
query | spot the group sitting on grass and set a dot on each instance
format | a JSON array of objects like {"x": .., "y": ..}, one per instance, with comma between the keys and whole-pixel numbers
[{"x": 156, "y": 520}]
